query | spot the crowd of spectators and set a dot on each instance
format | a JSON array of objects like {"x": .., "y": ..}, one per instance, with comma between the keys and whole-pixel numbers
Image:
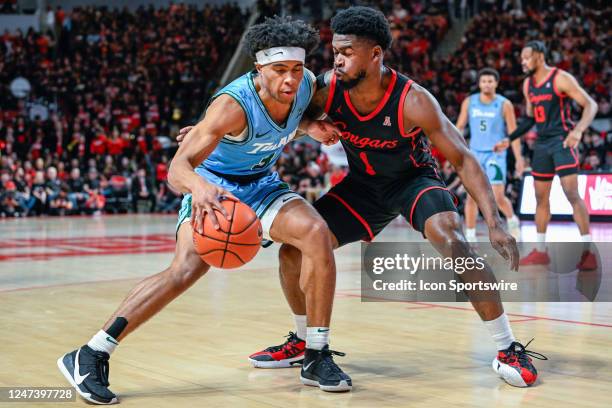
[
  {"x": 8, "y": 6},
  {"x": 108, "y": 89}
]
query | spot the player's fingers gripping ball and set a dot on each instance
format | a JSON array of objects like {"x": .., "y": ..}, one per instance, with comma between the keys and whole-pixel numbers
[{"x": 235, "y": 243}]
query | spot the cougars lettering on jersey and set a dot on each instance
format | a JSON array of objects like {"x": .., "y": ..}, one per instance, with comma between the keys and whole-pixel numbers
[
  {"x": 551, "y": 110},
  {"x": 363, "y": 142},
  {"x": 377, "y": 145}
]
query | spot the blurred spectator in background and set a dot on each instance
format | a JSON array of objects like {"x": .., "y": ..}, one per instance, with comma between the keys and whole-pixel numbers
[
  {"x": 168, "y": 201},
  {"x": 77, "y": 194},
  {"x": 61, "y": 204},
  {"x": 143, "y": 190}
]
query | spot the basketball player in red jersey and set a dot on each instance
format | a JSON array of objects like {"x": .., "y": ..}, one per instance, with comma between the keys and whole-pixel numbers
[
  {"x": 547, "y": 92},
  {"x": 386, "y": 120}
]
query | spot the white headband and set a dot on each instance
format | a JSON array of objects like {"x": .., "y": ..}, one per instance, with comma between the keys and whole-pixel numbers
[{"x": 276, "y": 54}]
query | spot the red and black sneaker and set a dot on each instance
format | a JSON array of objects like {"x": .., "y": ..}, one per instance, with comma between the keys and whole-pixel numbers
[
  {"x": 535, "y": 257},
  {"x": 286, "y": 355},
  {"x": 588, "y": 261},
  {"x": 514, "y": 365}
]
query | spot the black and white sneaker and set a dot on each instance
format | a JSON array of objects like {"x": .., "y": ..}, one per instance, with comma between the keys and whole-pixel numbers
[
  {"x": 320, "y": 370},
  {"x": 87, "y": 371}
]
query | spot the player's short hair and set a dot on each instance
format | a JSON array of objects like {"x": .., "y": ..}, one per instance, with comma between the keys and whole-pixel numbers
[
  {"x": 537, "y": 46},
  {"x": 364, "y": 22},
  {"x": 280, "y": 31},
  {"x": 489, "y": 71}
]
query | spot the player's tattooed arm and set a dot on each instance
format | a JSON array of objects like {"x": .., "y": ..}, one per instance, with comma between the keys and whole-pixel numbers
[
  {"x": 313, "y": 122},
  {"x": 422, "y": 110},
  {"x": 316, "y": 109},
  {"x": 224, "y": 116},
  {"x": 566, "y": 84}
]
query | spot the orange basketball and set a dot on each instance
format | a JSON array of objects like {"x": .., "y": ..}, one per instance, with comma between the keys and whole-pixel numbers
[{"x": 235, "y": 243}]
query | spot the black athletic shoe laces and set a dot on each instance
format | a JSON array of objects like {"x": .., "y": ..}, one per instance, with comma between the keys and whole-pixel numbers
[
  {"x": 291, "y": 339},
  {"x": 522, "y": 353},
  {"x": 327, "y": 359},
  {"x": 102, "y": 368}
]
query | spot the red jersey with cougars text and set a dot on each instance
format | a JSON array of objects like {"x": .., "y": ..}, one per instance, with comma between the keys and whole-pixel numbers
[
  {"x": 551, "y": 108},
  {"x": 377, "y": 145}
]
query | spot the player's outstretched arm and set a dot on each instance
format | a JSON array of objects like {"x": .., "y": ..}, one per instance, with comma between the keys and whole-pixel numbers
[
  {"x": 224, "y": 116},
  {"x": 565, "y": 83},
  {"x": 422, "y": 110},
  {"x": 527, "y": 123}
]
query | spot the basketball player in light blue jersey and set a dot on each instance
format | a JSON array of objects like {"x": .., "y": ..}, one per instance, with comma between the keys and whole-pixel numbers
[
  {"x": 230, "y": 154},
  {"x": 491, "y": 118}
]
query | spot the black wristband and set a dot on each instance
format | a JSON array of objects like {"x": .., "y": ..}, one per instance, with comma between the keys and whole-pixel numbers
[{"x": 522, "y": 128}]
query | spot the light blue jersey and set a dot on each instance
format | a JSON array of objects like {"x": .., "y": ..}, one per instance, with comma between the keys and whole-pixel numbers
[
  {"x": 242, "y": 164},
  {"x": 260, "y": 145},
  {"x": 487, "y": 128},
  {"x": 487, "y": 124}
]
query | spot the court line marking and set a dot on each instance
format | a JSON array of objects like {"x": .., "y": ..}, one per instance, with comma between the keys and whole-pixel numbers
[
  {"x": 524, "y": 320},
  {"x": 40, "y": 249},
  {"x": 139, "y": 278},
  {"x": 466, "y": 309},
  {"x": 340, "y": 293}
]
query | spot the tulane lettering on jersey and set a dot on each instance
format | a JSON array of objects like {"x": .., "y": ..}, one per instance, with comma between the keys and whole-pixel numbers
[
  {"x": 259, "y": 146},
  {"x": 487, "y": 124}
]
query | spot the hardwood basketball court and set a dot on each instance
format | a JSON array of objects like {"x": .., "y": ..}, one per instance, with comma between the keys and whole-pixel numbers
[{"x": 62, "y": 277}]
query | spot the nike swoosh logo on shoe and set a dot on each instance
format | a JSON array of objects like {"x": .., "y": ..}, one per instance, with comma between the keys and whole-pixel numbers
[
  {"x": 78, "y": 378},
  {"x": 307, "y": 366}
]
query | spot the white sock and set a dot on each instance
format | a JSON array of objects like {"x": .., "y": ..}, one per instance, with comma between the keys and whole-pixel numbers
[
  {"x": 514, "y": 219},
  {"x": 500, "y": 331},
  {"x": 103, "y": 342},
  {"x": 317, "y": 337},
  {"x": 470, "y": 233},
  {"x": 541, "y": 241},
  {"x": 300, "y": 326},
  {"x": 586, "y": 241}
]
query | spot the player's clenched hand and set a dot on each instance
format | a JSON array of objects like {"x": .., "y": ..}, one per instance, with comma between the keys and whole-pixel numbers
[
  {"x": 573, "y": 139},
  {"x": 501, "y": 145},
  {"x": 505, "y": 244},
  {"x": 182, "y": 133},
  {"x": 323, "y": 131},
  {"x": 204, "y": 200}
]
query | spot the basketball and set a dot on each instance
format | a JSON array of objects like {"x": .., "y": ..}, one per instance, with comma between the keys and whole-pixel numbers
[{"x": 235, "y": 243}]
